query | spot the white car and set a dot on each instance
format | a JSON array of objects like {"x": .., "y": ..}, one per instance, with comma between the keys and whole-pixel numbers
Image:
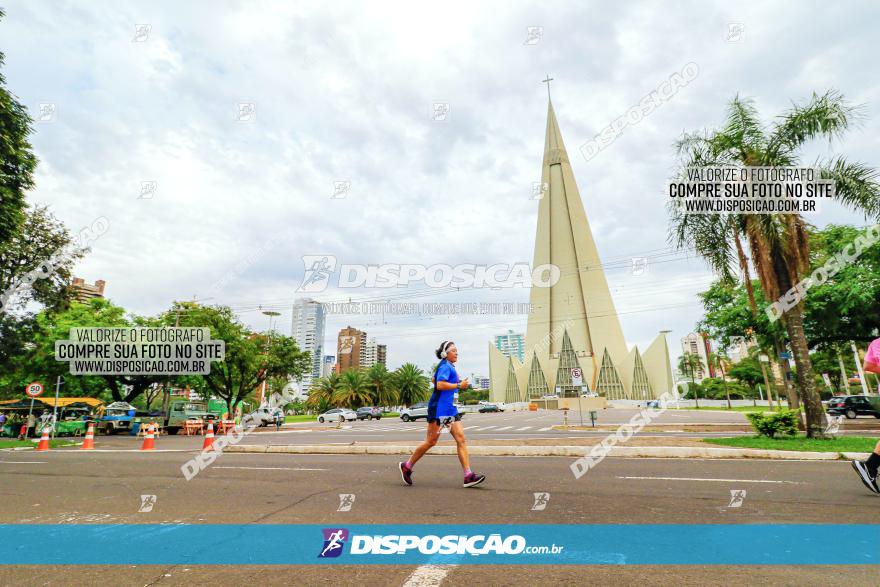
[
  {"x": 414, "y": 412},
  {"x": 338, "y": 415}
]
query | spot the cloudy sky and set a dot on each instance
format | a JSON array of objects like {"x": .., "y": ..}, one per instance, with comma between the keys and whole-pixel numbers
[{"x": 144, "y": 126}]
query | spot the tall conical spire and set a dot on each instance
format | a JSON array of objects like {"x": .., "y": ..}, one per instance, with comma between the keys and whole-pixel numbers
[
  {"x": 580, "y": 302},
  {"x": 574, "y": 323}
]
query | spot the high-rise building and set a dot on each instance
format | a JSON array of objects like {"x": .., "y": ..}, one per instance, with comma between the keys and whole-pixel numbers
[
  {"x": 83, "y": 292},
  {"x": 573, "y": 325},
  {"x": 481, "y": 382},
  {"x": 350, "y": 348},
  {"x": 329, "y": 365},
  {"x": 373, "y": 353},
  {"x": 695, "y": 344},
  {"x": 307, "y": 328},
  {"x": 512, "y": 344}
]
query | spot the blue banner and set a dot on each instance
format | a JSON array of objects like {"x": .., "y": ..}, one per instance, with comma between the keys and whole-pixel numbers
[{"x": 518, "y": 544}]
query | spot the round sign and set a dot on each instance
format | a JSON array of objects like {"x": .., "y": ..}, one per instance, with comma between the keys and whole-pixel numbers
[{"x": 34, "y": 389}]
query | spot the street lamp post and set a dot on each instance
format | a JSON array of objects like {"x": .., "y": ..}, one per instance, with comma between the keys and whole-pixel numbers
[{"x": 272, "y": 315}]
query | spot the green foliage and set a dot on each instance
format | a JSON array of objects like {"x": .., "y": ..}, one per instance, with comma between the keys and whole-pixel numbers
[
  {"x": 250, "y": 359},
  {"x": 781, "y": 423},
  {"x": 17, "y": 162},
  {"x": 41, "y": 237},
  {"x": 748, "y": 371},
  {"x": 712, "y": 388},
  {"x": 412, "y": 384},
  {"x": 470, "y": 397}
]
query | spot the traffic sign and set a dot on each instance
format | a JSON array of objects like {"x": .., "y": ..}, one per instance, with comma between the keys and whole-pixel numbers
[
  {"x": 577, "y": 377},
  {"x": 34, "y": 389}
]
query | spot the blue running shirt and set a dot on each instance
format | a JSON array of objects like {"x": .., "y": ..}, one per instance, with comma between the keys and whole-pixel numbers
[{"x": 441, "y": 404}]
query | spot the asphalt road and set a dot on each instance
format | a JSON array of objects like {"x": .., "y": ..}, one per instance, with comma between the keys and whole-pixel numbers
[{"x": 74, "y": 487}]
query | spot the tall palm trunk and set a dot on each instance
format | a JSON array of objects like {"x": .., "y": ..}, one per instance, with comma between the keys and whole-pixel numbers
[
  {"x": 794, "y": 325},
  {"x": 790, "y": 392}
]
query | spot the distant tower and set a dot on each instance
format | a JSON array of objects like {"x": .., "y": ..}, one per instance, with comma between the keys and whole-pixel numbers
[{"x": 307, "y": 328}]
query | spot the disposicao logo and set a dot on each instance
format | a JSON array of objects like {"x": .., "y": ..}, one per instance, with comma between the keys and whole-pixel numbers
[{"x": 334, "y": 541}]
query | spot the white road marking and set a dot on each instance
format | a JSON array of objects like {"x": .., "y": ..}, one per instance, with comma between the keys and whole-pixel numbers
[
  {"x": 24, "y": 462},
  {"x": 271, "y": 468},
  {"x": 523, "y": 428},
  {"x": 468, "y": 427},
  {"x": 504, "y": 428},
  {"x": 428, "y": 576},
  {"x": 721, "y": 480},
  {"x": 546, "y": 429},
  {"x": 484, "y": 428}
]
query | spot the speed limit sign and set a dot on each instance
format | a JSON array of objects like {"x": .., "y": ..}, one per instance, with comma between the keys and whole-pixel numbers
[{"x": 34, "y": 389}]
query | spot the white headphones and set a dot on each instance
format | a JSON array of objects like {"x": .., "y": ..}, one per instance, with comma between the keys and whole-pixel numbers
[{"x": 443, "y": 348}]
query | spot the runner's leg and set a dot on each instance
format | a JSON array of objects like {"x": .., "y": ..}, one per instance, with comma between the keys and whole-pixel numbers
[
  {"x": 457, "y": 431},
  {"x": 431, "y": 439}
]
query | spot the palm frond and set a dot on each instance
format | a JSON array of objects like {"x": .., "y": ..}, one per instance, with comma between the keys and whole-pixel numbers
[
  {"x": 856, "y": 185},
  {"x": 828, "y": 115}
]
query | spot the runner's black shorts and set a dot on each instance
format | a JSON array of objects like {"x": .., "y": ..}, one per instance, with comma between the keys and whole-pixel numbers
[{"x": 446, "y": 420}]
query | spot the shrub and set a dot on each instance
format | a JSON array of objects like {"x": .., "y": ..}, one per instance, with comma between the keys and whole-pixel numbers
[{"x": 783, "y": 422}]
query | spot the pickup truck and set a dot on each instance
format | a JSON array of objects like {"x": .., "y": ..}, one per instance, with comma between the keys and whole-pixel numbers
[{"x": 118, "y": 416}]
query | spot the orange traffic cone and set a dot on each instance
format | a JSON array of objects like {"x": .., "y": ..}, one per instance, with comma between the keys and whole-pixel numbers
[
  {"x": 89, "y": 440},
  {"x": 209, "y": 437},
  {"x": 149, "y": 443},
  {"x": 44, "y": 439}
]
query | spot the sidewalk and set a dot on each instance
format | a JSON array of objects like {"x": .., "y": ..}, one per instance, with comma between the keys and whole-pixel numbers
[{"x": 641, "y": 448}]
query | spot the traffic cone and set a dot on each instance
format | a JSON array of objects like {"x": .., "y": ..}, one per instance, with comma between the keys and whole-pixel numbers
[
  {"x": 209, "y": 437},
  {"x": 89, "y": 440},
  {"x": 149, "y": 443},
  {"x": 44, "y": 439}
]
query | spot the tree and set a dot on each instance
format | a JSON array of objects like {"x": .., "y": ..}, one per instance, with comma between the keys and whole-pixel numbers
[
  {"x": 411, "y": 383},
  {"x": 42, "y": 253},
  {"x": 777, "y": 243},
  {"x": 382, "y": 383},
  {"x": 54, "y": 326},
  {"x": 322, "y": 392},
  {"x": 354, "y": 389},
  {"x": 250, "y": 358},
  {"x": 717, "y": 361},
  {"x": 17, "y": 162},
  {"x": 689, "y": 363}
]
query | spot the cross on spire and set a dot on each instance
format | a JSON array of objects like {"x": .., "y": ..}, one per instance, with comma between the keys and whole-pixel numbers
[{"x": 547, "y": 81}]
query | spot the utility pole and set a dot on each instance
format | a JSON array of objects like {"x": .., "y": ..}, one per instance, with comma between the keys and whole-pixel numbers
[{"x": 859, "y": 367}]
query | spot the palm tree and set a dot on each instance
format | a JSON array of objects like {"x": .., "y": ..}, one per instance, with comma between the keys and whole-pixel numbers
[
  {"x": 353, "y": 390},
  {"x": 689, "y": 363},
  {"x": 381, "y": 382},
  {"x": 322, "y": 392},
  {"x": 777, "y": 243},
  {"x": 411, "y": 383},
  {"x": 717, "y": 360}
]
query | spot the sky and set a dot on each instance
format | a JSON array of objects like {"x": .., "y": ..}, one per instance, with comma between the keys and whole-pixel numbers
[{"x": 211, "y": 138}]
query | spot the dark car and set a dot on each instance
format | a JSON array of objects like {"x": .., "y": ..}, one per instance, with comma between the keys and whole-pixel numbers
[
  {"x": 369, "y": 413},
  {"x": 489, "y": 408},
  {"x": 853, "y": 406}
]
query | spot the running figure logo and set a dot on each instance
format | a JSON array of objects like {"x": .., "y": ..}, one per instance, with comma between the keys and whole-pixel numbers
[
  {"x": 737, "y": 497},
  {"x": 147, "y": 503},
  {"x": 318, "y": 269},
  {"x": 346, "y": 500},
  {"x": 541, "y": 500},
  {"x": 334, "y": 541},
  {"x": 833, "y": 424}
]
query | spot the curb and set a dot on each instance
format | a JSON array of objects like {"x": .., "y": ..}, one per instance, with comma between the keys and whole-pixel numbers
[{"x": 674, "y": 452}]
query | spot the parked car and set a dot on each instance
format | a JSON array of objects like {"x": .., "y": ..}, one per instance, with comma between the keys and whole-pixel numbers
[
  {"x": 338, "y": 415},
  {"x": 261, "y": 417},
  {"x": 414, "y": 412},
  {"x": 369, "y": 413},
  {"x": 853, "y": 406},
  {"x": 490, "y": 408}
]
